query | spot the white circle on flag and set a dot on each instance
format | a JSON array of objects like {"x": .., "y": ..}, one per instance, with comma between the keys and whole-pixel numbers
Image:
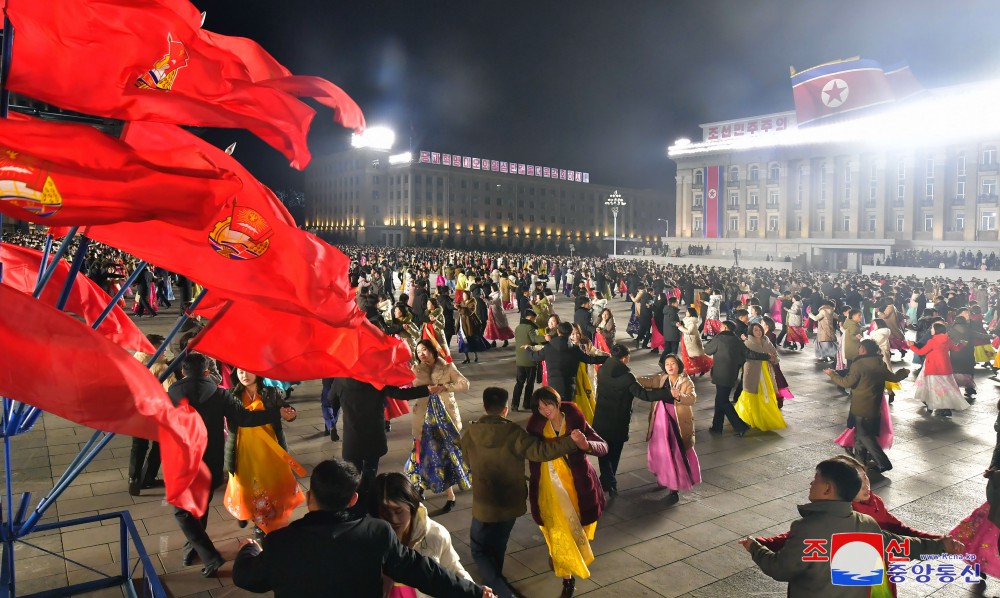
[
  {"x": 834, "y": 93},
  {"x": 712, "y": 193}
]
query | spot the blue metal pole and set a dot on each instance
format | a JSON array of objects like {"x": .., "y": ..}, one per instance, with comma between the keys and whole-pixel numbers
[
  {"x": 177, "y": 327},
  {"x": 63, "y": 248},
  {"x": 74, "y": 269},
  {"x": 45, "y": 258},
  {"x": 121, "y": 293},
  {"x": 7, "y": 569}
]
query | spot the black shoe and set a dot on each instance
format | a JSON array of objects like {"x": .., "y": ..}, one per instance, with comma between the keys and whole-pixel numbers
[
  {"x": 388, "y": 426},
  {"x": 673, "y": 498},
  {"x": 743, "y": 432},
  {"x": 654, "y": 351},
  {"x": 944, "y": 412},
  {"x": 211, "y": 569},
  {"x": 477, "y": 357},
  {"x": 133, "y": 487},
  {"x": 569, "y": 587},
  {"x": 515, "y": 408},
  {"x": 448, "y": 506},
  {"x": 154, "y": 483},
  {"x": 715, "y": 430},
  {"x": 505, "y": 343},
  {"x": 189, "y": 558},
  {"x": 333, "y": 435},
  {"x": 467, "y": 360},
  {"x": 242, "y": 523}
]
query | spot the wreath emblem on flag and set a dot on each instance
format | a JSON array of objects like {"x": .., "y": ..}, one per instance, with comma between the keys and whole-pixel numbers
[
  {"x": 25, "y": 183},
  {"x": 164, "y": 70},
  {"x": 245, "y": 235}
]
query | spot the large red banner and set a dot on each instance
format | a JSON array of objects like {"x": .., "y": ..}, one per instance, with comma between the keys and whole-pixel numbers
[{"x": 713, "y": 210}]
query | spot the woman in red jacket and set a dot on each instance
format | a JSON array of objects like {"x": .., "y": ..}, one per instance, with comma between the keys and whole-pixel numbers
[
  {"x": 935, "y": 386},
  {"x": 870, "y": 504}
]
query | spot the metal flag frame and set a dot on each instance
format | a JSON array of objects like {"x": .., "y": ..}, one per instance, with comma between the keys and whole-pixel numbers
[{"x": 17, "y": 418}]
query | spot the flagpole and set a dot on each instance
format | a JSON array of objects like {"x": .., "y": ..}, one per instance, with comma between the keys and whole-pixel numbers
[
  {"x": 46, "y": 252},
  {"x": 63, "y": 248}
]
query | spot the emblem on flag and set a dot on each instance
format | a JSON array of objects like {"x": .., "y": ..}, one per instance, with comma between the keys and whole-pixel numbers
[
  {"x": 835, "y": 93},
  {"x": 26, "y": 185},
  {"x": 243, "y": 236},
  {"x": 164, "y": 70}
]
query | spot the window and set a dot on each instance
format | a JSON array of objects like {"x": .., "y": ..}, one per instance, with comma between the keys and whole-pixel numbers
[
  {"x": 800, "y": 189},
  {"x": 989, "y": 186},
  {"x": 752, "y": 202},
  {"x": 847, "y": 181},
  {"x": 960, "y": 165},
  {"x": 959, "y": 222},
  {"x": 899, "y": 223},
  {"x": 822, "y": 182},
  {"x": 928, "y": 223},
  {"x": 772, "y": 198},
  {"x": 734, "y": 199},
  {"x": 774, "y": 172},
  {"x": 989, "y": 155},
  {"x": 871, "y": 224},
  {"x": 699, "y": 200},
  {"x": 960, "y": 190},
  {"x": 873, "y": 184},
  {"x": 988, "y": 221},
  {"x": 846, "y": 224},
  {"x": 734, "y": 223},
  {"x": 754, "y": 173},
  {"x": 734, "y": 174},
  {"x": 929, "y": 180},
  {"x": 752, "y": 223},
  {"x": 772, "y": 223},
  {"x": 696, "y": 224},
  {"x": 699, "y": 177},
  {"x": 822, "y": 222}
]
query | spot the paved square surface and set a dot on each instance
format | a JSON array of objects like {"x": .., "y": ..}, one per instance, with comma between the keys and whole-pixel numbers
[{"x": 644, "y": 546}]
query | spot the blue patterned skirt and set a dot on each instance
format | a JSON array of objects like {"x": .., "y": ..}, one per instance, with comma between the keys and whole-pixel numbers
[{"x": 437, "y": 463}]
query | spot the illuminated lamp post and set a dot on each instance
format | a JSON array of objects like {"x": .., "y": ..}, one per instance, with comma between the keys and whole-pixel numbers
[{"x": 615, "y": 202}]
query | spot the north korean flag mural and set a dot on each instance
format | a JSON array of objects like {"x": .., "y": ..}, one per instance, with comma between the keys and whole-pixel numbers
[
  {"x": 839, "y": 87},
  {"x": 713, "y": 209}
]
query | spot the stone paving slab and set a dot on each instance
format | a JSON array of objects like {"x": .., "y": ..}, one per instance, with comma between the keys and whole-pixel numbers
[{"x": 644, "y": 546}]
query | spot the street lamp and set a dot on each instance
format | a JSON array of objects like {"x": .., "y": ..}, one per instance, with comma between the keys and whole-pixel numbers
[
  {"x": 615, "y": 202},
  {"x": 666, "y": 226}
]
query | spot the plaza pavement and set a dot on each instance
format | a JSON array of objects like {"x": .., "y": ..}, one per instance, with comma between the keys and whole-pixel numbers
[{"x": 644, "y": 546}]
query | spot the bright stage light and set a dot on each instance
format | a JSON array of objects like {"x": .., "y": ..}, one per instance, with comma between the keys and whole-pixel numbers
[
  {"x": 374, "y": 137},
  {"x": 936, "y": 118},
  {"x": 404, "y": 158}
]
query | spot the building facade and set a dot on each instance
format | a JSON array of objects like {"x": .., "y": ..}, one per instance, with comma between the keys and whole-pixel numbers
[
  {"x": 834, "y": 204},
  {"x": 369, "y": 196}
]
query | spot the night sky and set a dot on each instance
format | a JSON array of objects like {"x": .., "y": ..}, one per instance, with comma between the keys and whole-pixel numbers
[{"x": 596, "y": 86}]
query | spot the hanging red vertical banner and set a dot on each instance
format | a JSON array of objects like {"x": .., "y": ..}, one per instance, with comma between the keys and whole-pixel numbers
[{"x": 713, "y": 211}]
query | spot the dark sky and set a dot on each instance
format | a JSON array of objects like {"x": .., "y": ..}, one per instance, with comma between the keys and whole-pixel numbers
[{"x": 601, "y": 86}]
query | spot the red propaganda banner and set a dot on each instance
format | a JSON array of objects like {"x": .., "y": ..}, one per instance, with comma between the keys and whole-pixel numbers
[
  {"x": 306, "y": 349},
  {"x": 250, "y": 248},
  {"x": 839, "y": 87},
  {"x": 713, "y": 208},
  {"x": 149, "y": 60},
  {"x": 91, "y": 381},
  {"x": 72, "y": 174},
  {"x": 86, "y": 299}
]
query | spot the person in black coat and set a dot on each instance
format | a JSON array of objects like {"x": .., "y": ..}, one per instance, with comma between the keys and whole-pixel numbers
[
  {"x": 729, "y": 354},
  {"x": 143, "y": 288},
  {"x": 329, "y": 554},
  {"x": 447, "y": 304},
  {"x": 562, "y": 361},
  {"x": 363, "y": 408},
  {"x": 645, "y": 308},
  {"x": 582, "y": 317},
  {"x": 616, "y": 387},
  {"x": 671, "y": 334},
  {"x": 214, "y": 405}
]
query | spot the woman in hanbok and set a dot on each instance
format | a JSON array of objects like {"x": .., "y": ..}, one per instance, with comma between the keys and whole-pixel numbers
[
  {"x": 979, "y": 531},
  {"x": 497, "y": 327},
  {"x": 633, "y": 321},
  {"x": 586, "y": 376},
  {"x": 670, "y": 455},
  {"x": 826, "y": 333},
  {"x": 542, "y": 307},
  {"x": 758, "y": 403},
  {"x": 506, "y": 296},
  {"x": 461, "y": 285},
  {"x": 403, "y": 328},
  {"x": 692, "y": 351},
  {"x": 436, "y": 460},
  {"x": 433, "y": 328},
  {"x": 796, "y": 334},
  {"x": 605, "y": 330},
  {"x": 779, "y": 378},
  {"x": 935, "y": 385},
  {"x": 897, "y": 340},
  {"x": 880, "y": 334},
  {"x": 384, "y": 307},
  {"x": 397, "y": 502},
  {"x": 713, "y": 314},
  {"x": 565, "y": 494},
  {"x": 913, "y": 308},
  {"x": 262, "y": 487},
  {"x": 470, "y": 330}
]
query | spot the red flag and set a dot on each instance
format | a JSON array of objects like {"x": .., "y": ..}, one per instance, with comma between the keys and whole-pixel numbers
[
  {"x": 251, "y": 249},
  {"x": 55, "y": 363},
  {"x": 150, "y": 60},
  {"x": 839, "y": 87},
  {"x": 86, "y": 299},
  {"x": 244, "y": 334},
  {"x": 71, "y": 174}
]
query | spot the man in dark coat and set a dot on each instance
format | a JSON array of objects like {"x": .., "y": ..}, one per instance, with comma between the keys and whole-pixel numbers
[
  {"x": 562, "y": 361},
  {"x": 671, "y": 334},
  {"x": 645, "y": 310},
  {"x": 420, "y": 298},
  {"x": 729, "y": 354},
  {"x": 616, "y": 387},
  {"x": 143, "y": 288},
  {"x": 447, "y": 304},
  {"x": 214, "y": 405},
  {"x": 526, "y": 334},
  {"x": 363, "y": 408},
  {"x": 582, "y": 317},
  {"x": 327, "y": 553}
]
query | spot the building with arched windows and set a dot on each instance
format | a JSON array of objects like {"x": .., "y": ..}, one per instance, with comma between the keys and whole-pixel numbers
[
  {"x": 846, "y": 193},
  {"x": 366, "y": 195}
]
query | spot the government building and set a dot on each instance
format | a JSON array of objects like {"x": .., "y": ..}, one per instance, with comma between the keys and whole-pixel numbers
[
  {"x": 370, "y": 196},
  {"x": 915, "y": 174}
]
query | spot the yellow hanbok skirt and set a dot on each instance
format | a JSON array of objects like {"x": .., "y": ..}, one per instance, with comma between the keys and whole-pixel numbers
[
  {"x": 568, "y": 540},
  {"x": 759, "y": 407},
  {"x": 584, "y": 398}
]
